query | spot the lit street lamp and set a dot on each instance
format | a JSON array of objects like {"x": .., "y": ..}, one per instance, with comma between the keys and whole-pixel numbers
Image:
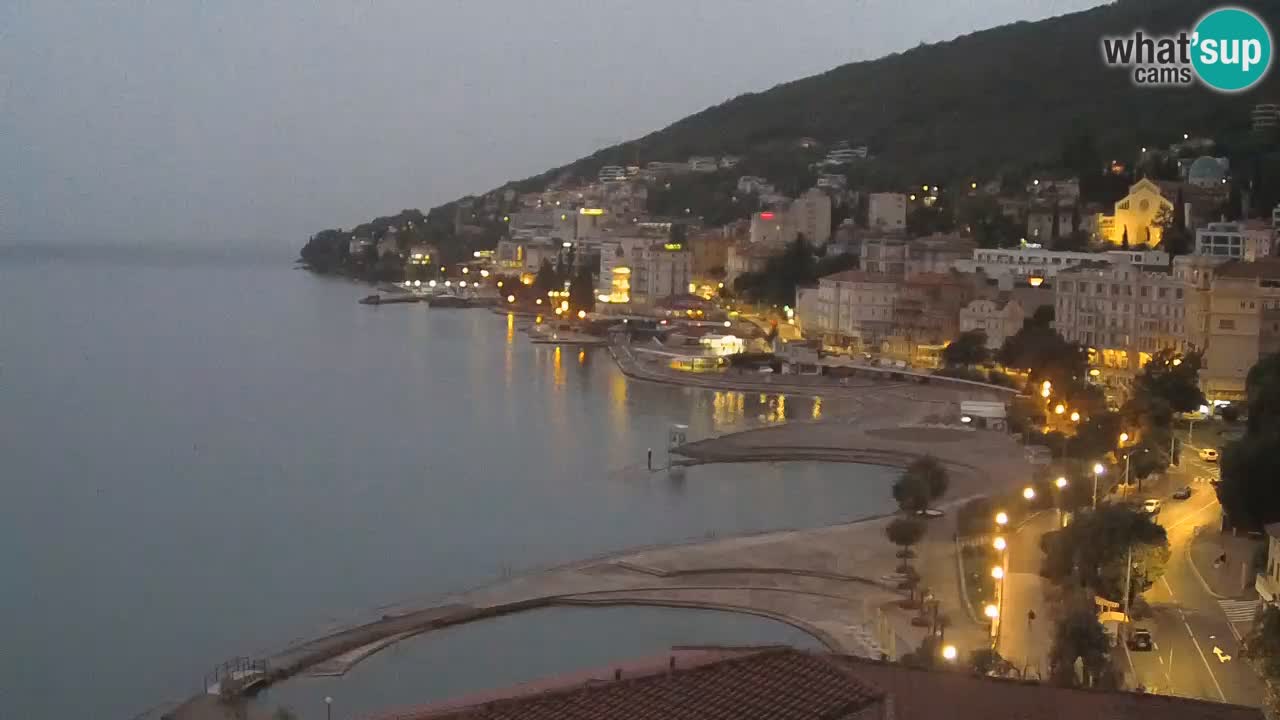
[
  {"x": 949, "y": 653},
  {"x": 997, "y": 572},
  {"x": 1124, "y": 438},
  {"x": 1060, "y": 483},
  {"x": 1002, "y": 518},
  {"x": 991, "y": 611},
  {"x": 1097, "y": 472},
  {"x": 328, "y": 707},
  {"x": 999, "y": 543},
  {"x": 1075, "y": 416},
  {"x": 1059, "y": 409},
  {"x": 1029, "y": 493}
]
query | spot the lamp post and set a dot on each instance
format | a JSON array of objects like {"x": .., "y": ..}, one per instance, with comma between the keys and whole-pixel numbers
[
  {"x": 1097, "y": 472},
  {"x": 328, "y": 707},
  {"x": 1060, "y": 484},
  {"x": 1128, "y": 455},
  {"x": 997, "y": 572}
]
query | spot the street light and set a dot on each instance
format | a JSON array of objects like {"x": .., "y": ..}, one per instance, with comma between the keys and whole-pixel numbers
[
  {"x": 1029, "y": 493},
  {"x": 328, "y": 707},
  {"x": 1075, "y": 416},
  {"x": 1059, "y": 409},
  {"x": 949, "y": 653},
  {"x": 1060, "y": 483},
  {"x": 1002, "y": 518},
  {"x": 997, "y": 572},
  {"x": 999, "y": 543},
  {"x": 1097, "y": 472},
  {"x": 991, "y": 611}
]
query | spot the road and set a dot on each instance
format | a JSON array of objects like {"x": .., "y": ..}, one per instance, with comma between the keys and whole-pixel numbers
[{"x": 1187, "y": 622}]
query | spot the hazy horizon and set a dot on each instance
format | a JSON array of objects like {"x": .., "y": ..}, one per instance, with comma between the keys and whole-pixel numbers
[{"x": 237, "y": 125}]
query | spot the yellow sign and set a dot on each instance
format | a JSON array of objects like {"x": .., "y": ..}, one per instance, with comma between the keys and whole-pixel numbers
[
  {"x": 673, "y": 246},
  {"x": 592, "y": 211}
]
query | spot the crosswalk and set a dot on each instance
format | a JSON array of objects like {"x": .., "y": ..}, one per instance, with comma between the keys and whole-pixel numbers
[{"x": 1239, "y": 610}]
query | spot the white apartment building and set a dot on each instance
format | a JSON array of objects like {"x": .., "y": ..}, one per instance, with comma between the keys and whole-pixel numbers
[
  {"x": 1243, "y": 325},
  {"x": 999, "y": 318},
  {"x": 810, "y": 215},
  {"x": 1247, "y": 240},
  {"x": 771, "y": 227},
  {"x": 661, "y": 270},
  {"x": 1122, "y": 312},
  {"x": 896, "y": 255},
  {"x": 856, "y": 306},
  {"x": 887, "y": 212},
  {"x": 612, "y": 173},
  {"x": 1019, "y": 264},
  {"x": 704, "y": 163}
]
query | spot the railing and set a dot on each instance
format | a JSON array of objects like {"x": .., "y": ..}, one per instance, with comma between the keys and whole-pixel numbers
[{"x": 239, "y": 669}]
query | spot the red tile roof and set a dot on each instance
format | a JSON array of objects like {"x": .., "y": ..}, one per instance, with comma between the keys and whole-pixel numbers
[
  {"x": 1268, "y": 268},
  {"x": 778, "y": 684}
]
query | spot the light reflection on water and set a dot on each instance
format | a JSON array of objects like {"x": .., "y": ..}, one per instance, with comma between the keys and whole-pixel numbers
[{"x": 261, "y": 457}]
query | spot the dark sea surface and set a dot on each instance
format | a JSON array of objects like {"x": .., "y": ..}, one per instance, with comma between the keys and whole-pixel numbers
[{"x": 206, "y": 457}]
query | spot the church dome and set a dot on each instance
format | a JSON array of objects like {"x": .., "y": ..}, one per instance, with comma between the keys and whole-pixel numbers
[{"x": 1206, "y": 171}]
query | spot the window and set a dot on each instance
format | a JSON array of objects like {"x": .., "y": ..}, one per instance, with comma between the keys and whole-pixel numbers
[
  {"x": 1178, "y": 293},
  {"x": 1226, "y": 324},
  {"x": 1162, "y": 292},
  {"x": 1143, "y": 291}
]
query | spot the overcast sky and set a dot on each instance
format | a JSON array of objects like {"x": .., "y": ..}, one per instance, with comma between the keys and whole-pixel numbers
[{"x": 229, "y": 122}]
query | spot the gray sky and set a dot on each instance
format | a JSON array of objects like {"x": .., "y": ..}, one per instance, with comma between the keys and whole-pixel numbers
[{"x": 233, "y": 122}]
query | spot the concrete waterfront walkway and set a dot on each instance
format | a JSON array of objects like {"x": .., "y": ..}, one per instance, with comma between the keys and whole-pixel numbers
[
  {"x": 836, "y": 582},
  {"x": 828, "y": 581}
]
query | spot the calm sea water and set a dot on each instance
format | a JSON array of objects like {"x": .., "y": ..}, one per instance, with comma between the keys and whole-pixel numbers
[{"x": 208, "y": 459}]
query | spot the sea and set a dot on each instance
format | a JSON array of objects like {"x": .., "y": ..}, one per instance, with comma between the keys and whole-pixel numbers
[{"x": 206, "y": 456}]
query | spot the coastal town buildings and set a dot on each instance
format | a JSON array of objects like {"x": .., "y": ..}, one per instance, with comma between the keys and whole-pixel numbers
[
  {"x": 660, "y": 270},
  {"x": 897, "y": 255},
  {"x": 1026, "y": 265},
  {"x": 1134, "y": 219},
  {"x": 810, "y": 215},
  {"x": 1243, "y": 324},
  {"x": 746, "y": 257},
  {"x": 999, "y": 318},
  {"x": 1122, "y": 312},
  {"x": 887, "y": 212},
  {"x": 1247, "y": 240},
  {"x": 770, "y": 227}
]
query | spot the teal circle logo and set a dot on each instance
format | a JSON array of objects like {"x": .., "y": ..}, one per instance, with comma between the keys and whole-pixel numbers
[{"x": 1231, "y": 49}]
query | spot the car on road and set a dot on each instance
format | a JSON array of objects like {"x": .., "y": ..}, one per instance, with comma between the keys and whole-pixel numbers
[
  {"x": 1140, "y": 639},
  {"x": 1209, "y": 455},
  {"x": 1182, "y": 493},
  {"x": 1151, "y": 505}
]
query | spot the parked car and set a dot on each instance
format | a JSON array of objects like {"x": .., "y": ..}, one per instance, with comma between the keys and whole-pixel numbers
[
  {"x": 1151, "y": 505},
  {"x": 1182, "y": 493},
  {"x": 1140, "y": 639},
  {"x": 1209, "y": 455}
]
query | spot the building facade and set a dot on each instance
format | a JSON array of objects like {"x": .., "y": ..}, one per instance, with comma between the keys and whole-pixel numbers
[
  {"x": 1123, "y": 313},
  {"x": 1248, "y": 240},
  {"x": 887, "y": 212},
  {"x": 810, "y": 215},
  {"x": 998, "y": 318},
  {"x": 1135, "y": 215},
  {"x": 1243, "y": 325}
]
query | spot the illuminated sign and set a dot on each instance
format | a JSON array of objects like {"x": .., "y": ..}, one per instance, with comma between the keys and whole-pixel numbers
[
  {"x": 591, "y": 211},
  {"x": 766, "y": 216},
  {"x": 673, "y": 246}
]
